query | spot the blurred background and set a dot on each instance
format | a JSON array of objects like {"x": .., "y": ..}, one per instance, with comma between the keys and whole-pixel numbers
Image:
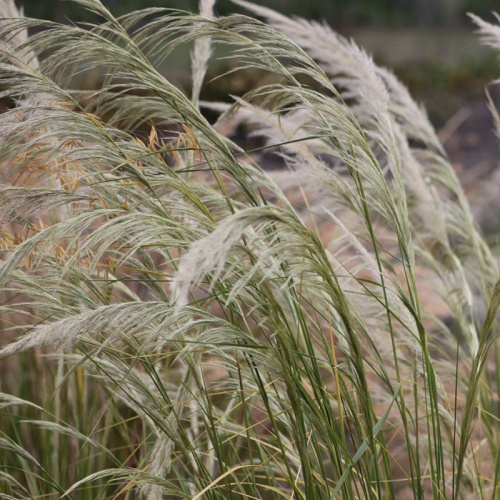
[
  {"x": 429, "y": 44},
  {"x": 366, "y": 12}
]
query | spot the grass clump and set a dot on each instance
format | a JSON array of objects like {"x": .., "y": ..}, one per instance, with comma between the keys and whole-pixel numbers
[{"x": 186, "y": 325}]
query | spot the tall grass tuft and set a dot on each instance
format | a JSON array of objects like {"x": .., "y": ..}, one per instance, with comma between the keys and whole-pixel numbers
[{"x": 184, "y": 323}]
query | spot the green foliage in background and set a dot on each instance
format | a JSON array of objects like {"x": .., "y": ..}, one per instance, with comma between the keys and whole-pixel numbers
[{"x": 370, "y": 12}]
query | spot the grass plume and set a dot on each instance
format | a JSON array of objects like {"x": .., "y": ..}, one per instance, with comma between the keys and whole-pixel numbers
[{"x": 204, "y": 328}]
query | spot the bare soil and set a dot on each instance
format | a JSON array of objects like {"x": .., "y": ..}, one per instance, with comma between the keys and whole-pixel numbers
[{"x": 472, "y": 143}]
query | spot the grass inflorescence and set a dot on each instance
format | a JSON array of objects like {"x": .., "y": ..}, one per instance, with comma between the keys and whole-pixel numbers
[{"x": 184, "y": 323}]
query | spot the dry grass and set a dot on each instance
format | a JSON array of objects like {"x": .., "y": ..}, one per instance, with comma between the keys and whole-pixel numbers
[{"x": 188, "y": 325}]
